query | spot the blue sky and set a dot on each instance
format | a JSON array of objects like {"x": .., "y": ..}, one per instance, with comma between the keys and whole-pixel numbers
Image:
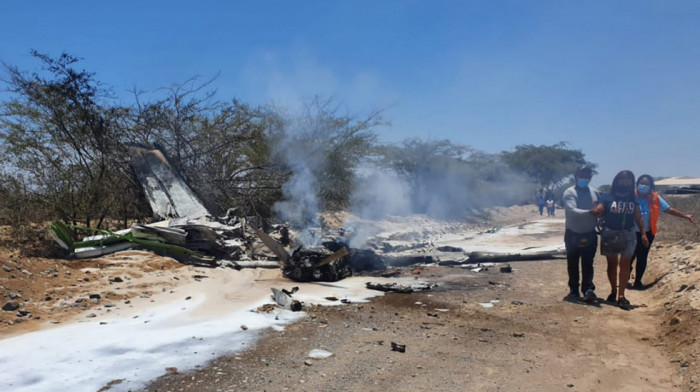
[{"x": 617, "y": 79}]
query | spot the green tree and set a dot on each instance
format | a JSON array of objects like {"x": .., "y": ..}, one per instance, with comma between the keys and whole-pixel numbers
[
  {"x": 549, "y": 166},
  {"x": 449, "y": 180},
  {"x": 421, "y": 162}
]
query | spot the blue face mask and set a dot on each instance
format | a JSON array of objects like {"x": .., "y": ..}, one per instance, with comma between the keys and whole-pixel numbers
[
  {"x": 582, "y": 182},
  {"x": 643, "y": 188}
]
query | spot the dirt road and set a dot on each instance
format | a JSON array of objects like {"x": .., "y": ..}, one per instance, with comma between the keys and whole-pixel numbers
[
  {"x": 478, "y": 331},
  {"x": 481, "y": 331}
]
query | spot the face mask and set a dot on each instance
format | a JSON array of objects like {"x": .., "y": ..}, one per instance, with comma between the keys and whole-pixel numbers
[
  {"x": 643, "y": 188},
  {"x": 582, "y": 182}
]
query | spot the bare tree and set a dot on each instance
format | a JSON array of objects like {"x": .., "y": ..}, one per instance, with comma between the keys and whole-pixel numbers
[{"x": 56, "y": 133}]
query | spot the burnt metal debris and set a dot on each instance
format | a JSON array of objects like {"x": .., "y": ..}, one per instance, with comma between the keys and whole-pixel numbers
[
  {"x": 284, "y": 300},
  {"x": 317, "y": 264},
  {"x": 398, "y": 347},
  {"x": 395, "y": 287}
]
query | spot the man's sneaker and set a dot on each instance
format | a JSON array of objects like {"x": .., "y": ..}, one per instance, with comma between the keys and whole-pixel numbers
[
  {"x": 574, "y": 294},
  {"x": 612, "y": 297},
  {"x": 638, "y": 286},
  {"x": 590, "y": 296},
  {"x": 624, "y": 304}
]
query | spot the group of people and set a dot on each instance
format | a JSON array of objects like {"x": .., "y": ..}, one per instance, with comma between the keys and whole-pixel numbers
[{"x": 626, "y": 218}]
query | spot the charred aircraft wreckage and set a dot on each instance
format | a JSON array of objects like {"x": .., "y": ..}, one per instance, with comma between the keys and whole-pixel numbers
[{"x": 184, "y": 229}]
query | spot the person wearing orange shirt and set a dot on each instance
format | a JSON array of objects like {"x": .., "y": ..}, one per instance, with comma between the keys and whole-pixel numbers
[{"x": 650, "y": 205}]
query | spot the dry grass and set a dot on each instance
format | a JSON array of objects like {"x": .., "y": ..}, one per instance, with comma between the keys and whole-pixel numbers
[{"x": 30, "y": 240}]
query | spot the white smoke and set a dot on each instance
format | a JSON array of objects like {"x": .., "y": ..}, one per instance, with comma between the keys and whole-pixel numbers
[
  {"x": 300, "y": 204},
  {"x": 298, "y": 148},
  {"x": 427, "y": 181},
  {"x": 380, "y": 193}
]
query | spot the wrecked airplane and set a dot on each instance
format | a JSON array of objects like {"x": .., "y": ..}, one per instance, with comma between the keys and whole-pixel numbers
[{"x": 186, "y": 231}]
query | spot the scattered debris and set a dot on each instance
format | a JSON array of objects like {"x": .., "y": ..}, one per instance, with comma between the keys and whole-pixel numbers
[
  {"x": 401, "y": 288},
  {"x": 452, "y": 263},
  {"x": 283, "y": 298},
  {"x": 398, "y": 347},
  {"x": 404, "y": 261},
  {"x": 489, "y": 304},
  {"x": 266, "y": 308},
  {"x": 240, "y": 264},
  {"x": 391, "y": 274},
  {"x": 496, "y": 257},
  {"x": 107, "y": 242},
  {"x": 318, "y": 354},
  {"x": 448, "y": 248}
]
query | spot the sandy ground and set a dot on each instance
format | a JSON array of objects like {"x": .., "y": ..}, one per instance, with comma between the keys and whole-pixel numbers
[
  {"x": 530, "y": 340},
  {"x": 485, "y": 330}
]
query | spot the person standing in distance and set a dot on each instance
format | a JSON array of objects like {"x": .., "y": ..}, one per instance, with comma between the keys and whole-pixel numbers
[
  {"x": 650, "y": 205},
  {"x": 540, "y": 199},
  {"x": 580, "y": 235}
]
